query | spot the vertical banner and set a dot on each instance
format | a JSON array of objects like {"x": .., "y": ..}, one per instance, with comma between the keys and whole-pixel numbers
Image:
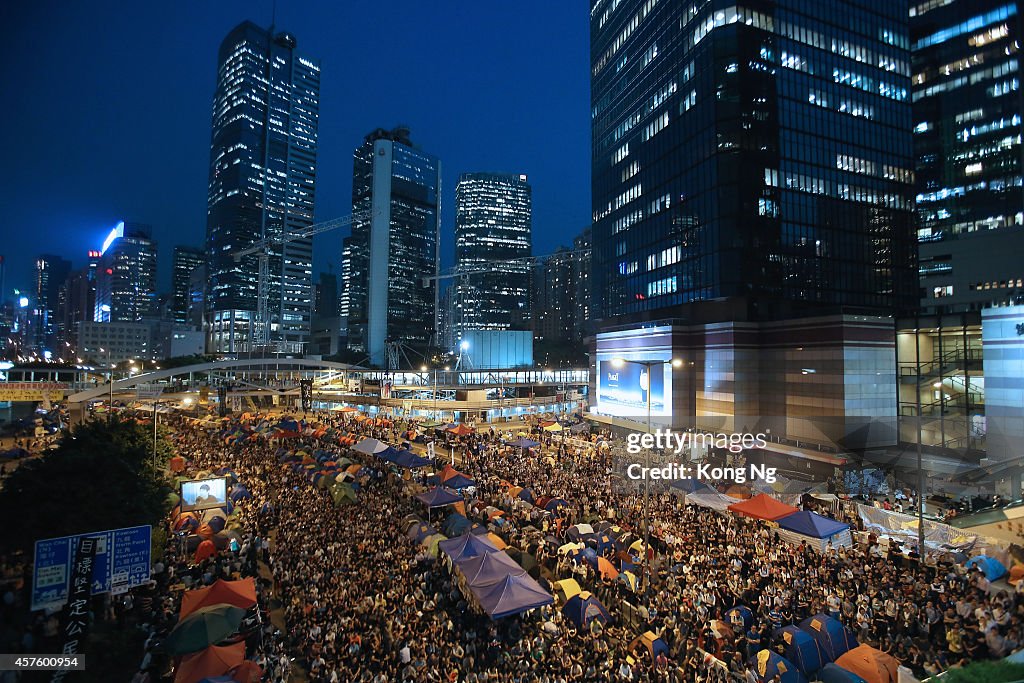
[
  {"x": 306, "y": 392},
  {"x": 76, "y": 611},
  {"x": 204, "y": 395},
  {"x": 222, "y": 401},
  {"x": 385, "y": 389}
]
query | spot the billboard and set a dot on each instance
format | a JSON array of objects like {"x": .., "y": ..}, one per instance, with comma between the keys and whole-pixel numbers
[
  {"x": 32, "y": 391},
  {"x": 202, "y": 494},
  {"x": 626, "y": 388},
  {"x": 121, "y": 561}
]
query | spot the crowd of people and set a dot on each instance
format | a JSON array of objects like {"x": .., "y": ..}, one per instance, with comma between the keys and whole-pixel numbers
[{"x": 363, "y": 602}]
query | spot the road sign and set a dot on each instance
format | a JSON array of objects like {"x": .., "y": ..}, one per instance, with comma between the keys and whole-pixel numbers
[
  {"x": 122, "y": 561},
  {"x": 148, "y": 392}
]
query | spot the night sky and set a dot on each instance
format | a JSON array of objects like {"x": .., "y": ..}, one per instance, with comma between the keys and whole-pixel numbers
[{"x": 107, "y": 111}]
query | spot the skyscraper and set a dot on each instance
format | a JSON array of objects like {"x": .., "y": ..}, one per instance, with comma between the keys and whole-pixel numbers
[
  {"x": 51, "y": 272},
  {"x": 967, "y": 144},
  {"x": 126, "y": 275},
  {"x": 325, "y": 300},
  {"x": 186, "y": 259},
  {"x": 755, "y": 155},
  {"x": 393, "y": 245},
  {"x": 262, "y": 185},
  {"x": 492, "y": 227}
]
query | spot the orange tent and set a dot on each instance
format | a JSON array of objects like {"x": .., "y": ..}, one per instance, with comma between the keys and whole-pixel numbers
[
  {"x": 206, "y": 549},
  {"x": 448, "y": 472},
  {"x": 762, "y": 506},
  {"x": 874, "y": 666},
  {"x": 240, "y": 593},
  {"x": 213, "y": 661},
  {"x": 205, "y": 531},
  {"x": 461, "y": 430},
  {"x": 738, "y": 491},
  {"x": 247, "y": 672},
  {"x": 1016, "y": 574},
  {"x": 177, "y": 464},
  {"x": 606, "y": 568}
]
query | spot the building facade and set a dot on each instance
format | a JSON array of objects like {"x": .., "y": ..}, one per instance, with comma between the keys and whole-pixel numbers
[
  {"x": 262, "y": 185},
  {"x": 51, "y": 273},
  {"x": 493, "y": 240},
  {"x": 755, "y": 152},
  {"x": 186, "y": 260},
  {"x": 126, "y": 275},
  {"x": 393, "y": 246},
  {"x": 967, "y": 145}
]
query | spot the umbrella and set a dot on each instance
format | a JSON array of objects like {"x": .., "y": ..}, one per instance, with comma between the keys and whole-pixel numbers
[
  {"x": 206, "y": 549},
  {"x": 247, "y": 672},
  {"x": 204, "y": 627},
  {"x": 210, "y": 665}
]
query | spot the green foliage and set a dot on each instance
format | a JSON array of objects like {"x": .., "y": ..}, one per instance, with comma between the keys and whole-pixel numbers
[
  {"x": 101, "y": 476},
  {"x": 985, "y": 672}
]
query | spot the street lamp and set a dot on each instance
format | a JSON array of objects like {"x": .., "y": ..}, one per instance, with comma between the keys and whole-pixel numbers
[
  {"x": 110, "y": 383},
  {"x": 648, "y": 365}
]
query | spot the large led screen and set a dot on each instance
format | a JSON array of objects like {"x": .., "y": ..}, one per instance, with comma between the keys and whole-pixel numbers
[
  {"x": 202, "y": 494},
  {"x": 625, "y": 388}
]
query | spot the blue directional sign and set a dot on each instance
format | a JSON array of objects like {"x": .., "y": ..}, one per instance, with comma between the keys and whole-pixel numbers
[{"x": 122, "y": 562}]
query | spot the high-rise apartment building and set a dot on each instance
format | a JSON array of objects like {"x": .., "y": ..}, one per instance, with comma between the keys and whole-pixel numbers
[
  {"x": 50, "y": 274},
  {"x": 758, "y": 153},
  {"x": 492, "y": 240},
  {"x": 393, "y": 246},
  {"x": 126, "y": 275},
  {"x": 262, "y": 185},
  {"x": 967, "y": 145},
  {"x": 186, "y": 260}
]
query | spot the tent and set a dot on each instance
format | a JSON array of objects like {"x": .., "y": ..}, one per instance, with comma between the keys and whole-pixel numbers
[
  {"x": 512, "y": 595},
  {"x": 740, "y": 617},
  {"x": 438, "y": 497},
  {"x": 767, "y": 665},
  {"x": 832, "y": 673},
  {"x": 651, "y": 643},
  {"x": 342, "y": 494},
  {"x": 566, "y": 589},
  {"x": 992, "y": 567},
  {"x": 689, "y": 486},
  {"x": 213, "y": 661},
  {"x": 577, "y": 531},
  {"x": 583, "y": 608},
  {"x": 459, "y": 481},
  {"x": 202, "y": 628},
  {"x": 488, "y": 568},
  {"x": 762, "y": 506},
  {"x": 814, "y": 530},
  {"x": 455, "y": 525},
  {"x": 460, "y": 430},
  {"x": 711, "y": 499},
  {"x": 409, "y": 460},
  {"x": 420, "y": 532},
  {"x": 800, "y": 648},
  {"x": 247, "y": 672},
  {"x": 466, "y": 546},
  {"x": 241, "y": 593},
  {"x": 874, "y": 666},
  {"x": 524, "y": 443},
  {"x": 370, "y": 446},
  {"x": 206, "y": 549},
  {"x": 556, "y": 503},
  {"x": 834, "y": 639}
]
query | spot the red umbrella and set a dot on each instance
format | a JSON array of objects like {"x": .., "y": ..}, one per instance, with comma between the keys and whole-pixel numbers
[{"x": 206, "y": 549}]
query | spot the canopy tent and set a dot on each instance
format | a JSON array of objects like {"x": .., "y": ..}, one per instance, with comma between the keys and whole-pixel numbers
[
  {"x": 874, "y": 666},
  {"x": 512, "y": 595},
  {"x": 523, "y": 442},
  {"x": 815, "y": 530},
  {"x": 583, "y": 608},
  {"x": 767, "y": 665},
  {"x": 993, "y": 568},
  {"x": 203, "y": 627},
  {"x": 762, "y": 506},
  {"x": 439, "y": 497},
  {"x": 409, "y": 460},
  {"x": 800, "y": 648},
  {"x": 370, "y": 446},
  {"x": 579, "y": 428},
  {"x": 690, "y": 486},
  {"x": 459, "y": 481},
  {"x": 241, "y": 593},
  {"x": 460, "y": 430},
  {"x": 466, "y": 546},
  {"x": 711, "y": 499},
  {"x": 834, "y": 640},
  {"x": 488, "y": 568},
  {"x": 213, "y": 661},
  {"x": 553, "y": 427}
]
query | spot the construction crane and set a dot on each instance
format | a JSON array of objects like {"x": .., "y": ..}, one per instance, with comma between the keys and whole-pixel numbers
[{"x": 261, "y": 329}]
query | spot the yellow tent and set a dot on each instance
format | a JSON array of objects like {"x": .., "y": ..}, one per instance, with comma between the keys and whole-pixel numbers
[{"x": 566, "y": 588}]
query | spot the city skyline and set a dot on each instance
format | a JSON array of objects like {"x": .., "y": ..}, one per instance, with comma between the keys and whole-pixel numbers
[{"x": 541, "y": 90}]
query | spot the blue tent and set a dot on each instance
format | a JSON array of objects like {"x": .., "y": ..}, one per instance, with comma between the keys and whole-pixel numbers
[
  {"x": 439, "y": 497},
  {"x": 832, "y": 637},
  {"x": 288, "y": 425},
  {"x": 556, "y": 503},
  {"x": 832, "y": 673},
  {"x": 992, "y": 567},
  {"x": 389, "y": 453},
  {"x": 599, "y": 542},
  {"x": 409, "y": 460},
  {"x": 527, "y": 495},
  {"x": 459, "y": 481},
  {"x": 513, "y": 595},
  {"x": 488, "y": 569},
  {"x": 584, "y": 555},
  {"x": 740, "y": 616},
  {"x": 812, "y": 524},
  {"x": 455, "y": 525},
  {"x": 466, "y": 546},
  {"x": 239, "y": 492},
  {"x": 766, "y": 664},
  {"x": 689, "y": 485},
  {"x": 583, "y": 608},
  {"x": 523, "y": 442},
  {"x": 801, "y": 649},
  {"x": 418, "y": 532},
  {"x": 15, "y": 453}
]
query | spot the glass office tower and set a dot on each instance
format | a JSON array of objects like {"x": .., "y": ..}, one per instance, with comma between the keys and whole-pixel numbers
[
  {"x": 492, "y": 230},
  {"x": 262, "y": 185},
  {"x": 759, "y": 153},
  {"x": 126, "y": 275},
  {"x": 393, "y": 246},
  {"x": 186, "y": 260}
]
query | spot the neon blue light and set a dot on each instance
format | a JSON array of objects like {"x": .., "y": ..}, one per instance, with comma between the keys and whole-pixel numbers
[{"x": 116, "y": 233}]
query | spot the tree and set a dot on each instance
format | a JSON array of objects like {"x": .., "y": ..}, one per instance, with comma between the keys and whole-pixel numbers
[
  {"x": 101, "y": 476},
  {"x": 989, "y": 672}
]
